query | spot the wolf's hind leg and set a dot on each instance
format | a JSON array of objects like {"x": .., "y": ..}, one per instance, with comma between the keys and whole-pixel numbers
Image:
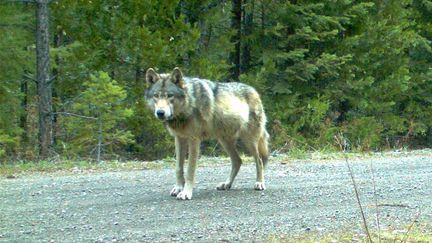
[
  {"x": 181, "y": 149},
  {"x": 253, "y": 150},
  {"x": 230, "y": 148}
]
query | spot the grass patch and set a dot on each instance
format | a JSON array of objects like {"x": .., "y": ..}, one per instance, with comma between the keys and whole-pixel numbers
[
  {"x": 328, "y": 154},
  {"x": 420, "y": 234},
  {"x": 11, "y": 170}
]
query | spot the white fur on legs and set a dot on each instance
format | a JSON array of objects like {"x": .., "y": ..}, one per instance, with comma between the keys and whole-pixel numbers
[
  {"x": 259, "y": 186},
  {"x": 176, "y": 190},
  {"x": 253, "y": 149},
  {"x": 181, "y": 147},
  {"x": 186, "y": 194}
]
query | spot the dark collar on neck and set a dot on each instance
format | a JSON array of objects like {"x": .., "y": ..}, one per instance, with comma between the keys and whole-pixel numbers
[{"x": 177, "y": 121}]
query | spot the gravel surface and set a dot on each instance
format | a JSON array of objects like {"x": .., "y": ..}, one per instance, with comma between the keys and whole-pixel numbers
[{"x": 302, "y": 197}]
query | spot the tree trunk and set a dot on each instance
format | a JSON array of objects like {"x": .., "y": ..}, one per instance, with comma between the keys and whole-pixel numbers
[
  {"x": 236, "y": 39},
  {"x": 112, "y": 52},
  {"x": 44, "y": 87},
  {"x": 263, "y": 15},
  {"x": 248, "y": 29},
  {"x": 57, "y": 88},
  {"x": 100, "y": 140},
  {"x": 24, "y": 101}
]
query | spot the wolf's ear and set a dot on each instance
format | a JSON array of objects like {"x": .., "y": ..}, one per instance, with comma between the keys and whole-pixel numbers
[
  {"x": 177, "y": 77},
  {"x": 151, "y": 76}
]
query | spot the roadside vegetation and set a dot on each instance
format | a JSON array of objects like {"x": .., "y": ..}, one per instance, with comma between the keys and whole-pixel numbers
[
  {"x": 419, "y": 234},
  {"x": 361, "y": 68},
  {"x": 14, "y": 168}
]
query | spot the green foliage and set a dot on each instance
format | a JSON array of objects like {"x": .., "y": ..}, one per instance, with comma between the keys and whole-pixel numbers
[
  {"x": 362, "y": 68},
  {"x": 152, "y": 139},
  {"x": 9, "y": 130},
  {"x": 381, "y": 79},
  {"x": 364, "y": 133},
  {"x": 98, "y": 114},
  {"x": 209, "y": 60},
  {"x": 300, "y": 65},
  {"x": 6, "y": 142},
  {"x": 336, "y": 66},
  {"x": 16, "y": 59}
]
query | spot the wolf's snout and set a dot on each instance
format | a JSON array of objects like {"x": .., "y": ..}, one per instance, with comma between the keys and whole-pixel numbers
[{"x": 160, "y": 114}]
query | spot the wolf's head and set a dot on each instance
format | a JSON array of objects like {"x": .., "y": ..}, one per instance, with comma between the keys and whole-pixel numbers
[{"x": 165, "y": 93}]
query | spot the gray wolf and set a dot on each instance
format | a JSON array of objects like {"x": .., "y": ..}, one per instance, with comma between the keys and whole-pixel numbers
[{"x": 196, "y": 109}]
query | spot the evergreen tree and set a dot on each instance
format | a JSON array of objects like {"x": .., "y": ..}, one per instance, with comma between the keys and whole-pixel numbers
[
  {"x": 380, "y": 88},
  {"x": 358, "y": 67},
  {"x": 298, "y": 62},
  {"x": 16, "y": 62},
  {"x": 94, "y": 123}
]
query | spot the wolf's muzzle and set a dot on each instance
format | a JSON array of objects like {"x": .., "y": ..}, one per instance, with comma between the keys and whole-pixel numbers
[{"x": 160, "y": 114}]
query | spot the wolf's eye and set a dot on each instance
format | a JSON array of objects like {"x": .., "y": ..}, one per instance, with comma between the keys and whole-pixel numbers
[
  {"x": 156, "y": 96},
  {"x": 170, "y": 96}
]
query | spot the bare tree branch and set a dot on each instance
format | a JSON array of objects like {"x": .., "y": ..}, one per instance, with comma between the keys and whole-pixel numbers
[
  {"x": 357, "y": 195},
  {"x": 405, "y": 238},
  {"x": 51, "y": 79},
  {"x": 343, "y": 144},
  {"x": 377, "y": 212},
  {"x": 394, "y": 205}
]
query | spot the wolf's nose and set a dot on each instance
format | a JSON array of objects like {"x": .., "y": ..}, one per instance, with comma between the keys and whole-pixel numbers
[{"x": 160, "y": 114}]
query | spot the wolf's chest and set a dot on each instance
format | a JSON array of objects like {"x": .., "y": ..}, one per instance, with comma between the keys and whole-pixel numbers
[{"x": 190, "y": 128}]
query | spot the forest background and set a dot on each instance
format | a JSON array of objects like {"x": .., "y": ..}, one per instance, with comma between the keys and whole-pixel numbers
[{"x": 361, "y": 69}]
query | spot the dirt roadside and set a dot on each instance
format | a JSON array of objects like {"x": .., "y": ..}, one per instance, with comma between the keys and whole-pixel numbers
[{"x": 308, "y": 197}]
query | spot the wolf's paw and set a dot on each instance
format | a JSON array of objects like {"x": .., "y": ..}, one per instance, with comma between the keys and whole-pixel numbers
[
  {"x": 223, "y": 186},
  {"x": 259, "y": 186},
  {"x": 176, "y": 190},
  {"x": 185, "y": 195}
]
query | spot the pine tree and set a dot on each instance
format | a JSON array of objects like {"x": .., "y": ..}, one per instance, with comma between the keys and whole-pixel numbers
[
  {"x": 380, "y": 89},
  {"x": 16, "y": 61},
  {"x": 298, "y": 61},
  {"x": 94, "y": 121},
  {"x": 361, "y": 68}
]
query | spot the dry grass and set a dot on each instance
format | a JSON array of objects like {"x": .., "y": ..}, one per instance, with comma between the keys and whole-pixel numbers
[{"x": 419, "y": 234}]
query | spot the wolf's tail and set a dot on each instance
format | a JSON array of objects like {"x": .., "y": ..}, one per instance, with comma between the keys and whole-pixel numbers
[{"x": 263, "y": 147}]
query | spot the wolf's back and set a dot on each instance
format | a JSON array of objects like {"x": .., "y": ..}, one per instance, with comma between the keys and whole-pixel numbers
[{"x": 212, "y": 99}]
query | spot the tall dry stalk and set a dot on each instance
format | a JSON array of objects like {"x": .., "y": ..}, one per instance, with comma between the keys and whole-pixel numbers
[{"x": 343, "y": 144}]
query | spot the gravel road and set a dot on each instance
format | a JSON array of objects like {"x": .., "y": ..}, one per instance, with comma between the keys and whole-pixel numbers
[{"x": 302, "y": 197}]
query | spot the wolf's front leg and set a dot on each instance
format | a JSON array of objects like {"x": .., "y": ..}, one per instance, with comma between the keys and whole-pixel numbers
[
  {"x": 181, "y": 148},
  {"x": 186, "y": 194}
]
